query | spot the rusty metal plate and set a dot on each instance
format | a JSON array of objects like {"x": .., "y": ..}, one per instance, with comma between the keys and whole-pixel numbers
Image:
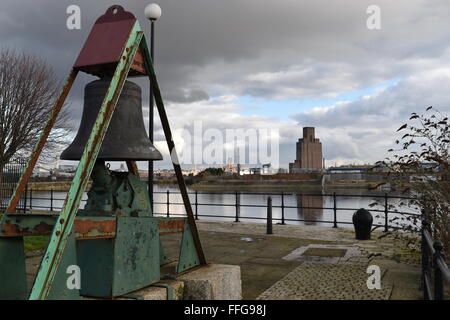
[
  {"x": 167, "y": 226},
  {"x": 95, "y": 228},
  {"x": 20, "y": 225}
]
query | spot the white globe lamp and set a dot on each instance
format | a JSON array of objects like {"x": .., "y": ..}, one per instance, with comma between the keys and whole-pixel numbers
[{"x": 153, "y": 12}]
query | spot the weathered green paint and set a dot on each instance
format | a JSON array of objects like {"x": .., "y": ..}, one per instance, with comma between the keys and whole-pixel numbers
[
  {"x": 188, "y": 257},
  {"x": 96, "y": 261},
  {"x": 114, "y": 192},
  {"x": 59, "y": 289},
  {"x": 114, "y": 267},
  {"x": 27, "y": 225},
  {"x": 101, "y": 195},
  {"x": 141, "y": 200},
  {"x": 13, "y": 277},
  {"x": 52, "y": 257},
  {"x": 136, "y": 253}
]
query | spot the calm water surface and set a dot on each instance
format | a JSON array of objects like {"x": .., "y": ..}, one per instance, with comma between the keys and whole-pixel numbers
[{"x": 221, "y": 206}]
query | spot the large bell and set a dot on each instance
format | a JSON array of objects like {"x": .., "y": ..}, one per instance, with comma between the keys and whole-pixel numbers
[{"x": 126, "y": 138}]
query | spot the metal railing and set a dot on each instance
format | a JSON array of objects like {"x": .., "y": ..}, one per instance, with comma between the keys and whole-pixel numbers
[
  {"x": 434, "y": 269},
  {"x": 283, "y": 219},
  {"x": 10, "y": 174},
  {"x": 52, "y": 201}
]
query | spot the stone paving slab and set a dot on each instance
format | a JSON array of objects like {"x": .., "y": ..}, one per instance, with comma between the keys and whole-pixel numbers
[
  {"x": 325, "y": 281},
  {"x": 352, "y": 254},
  {"x": 312, "y": 232}
]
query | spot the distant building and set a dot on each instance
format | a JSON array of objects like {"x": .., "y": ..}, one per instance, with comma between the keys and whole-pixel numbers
[
  {"x": 266, "y": 168},
  {"x": 122, "y": 168},
  {"x": 66, "y": 168},
  {"x": 230, "y": 168},
  {"x": 350, "y": 169},
  {"x": 309, "y": 153},
  {"x": 40, "y": 173}
]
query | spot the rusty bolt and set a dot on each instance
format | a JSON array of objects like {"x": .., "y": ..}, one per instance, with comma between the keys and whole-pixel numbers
[
  {"x": 61, "y": 221},
  {"x": 57, "y": 233}
]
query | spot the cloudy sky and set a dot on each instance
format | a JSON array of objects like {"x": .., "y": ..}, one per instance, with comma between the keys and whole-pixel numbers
[{"x": 277, "y": 64}]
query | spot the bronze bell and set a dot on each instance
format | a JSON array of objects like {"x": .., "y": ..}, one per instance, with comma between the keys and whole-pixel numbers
[{"x": 126, "y": 138}]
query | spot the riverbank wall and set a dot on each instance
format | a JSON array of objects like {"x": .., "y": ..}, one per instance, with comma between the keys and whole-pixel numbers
[{"x": 276, "y": 182}]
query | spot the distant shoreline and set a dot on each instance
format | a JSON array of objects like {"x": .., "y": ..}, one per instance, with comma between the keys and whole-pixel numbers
[
  {"x": 277, "y": 187},
  {"x": 65, "y": 185},
  {"x": 226, "y": 186}
]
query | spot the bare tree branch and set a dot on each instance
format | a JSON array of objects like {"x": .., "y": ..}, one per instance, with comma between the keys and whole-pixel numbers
[{"x": 28, "y": 90}]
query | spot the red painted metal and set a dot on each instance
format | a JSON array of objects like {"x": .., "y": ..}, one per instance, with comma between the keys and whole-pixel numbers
[{"x": 105, "y": 43}]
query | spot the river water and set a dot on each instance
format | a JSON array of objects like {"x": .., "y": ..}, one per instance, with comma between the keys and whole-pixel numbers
[{"x": 222, "y": 206}]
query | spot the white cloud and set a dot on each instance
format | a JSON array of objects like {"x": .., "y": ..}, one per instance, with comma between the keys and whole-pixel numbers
[{"x": 363, "y": 130}]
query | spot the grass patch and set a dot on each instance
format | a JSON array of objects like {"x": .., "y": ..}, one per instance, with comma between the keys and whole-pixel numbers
[{"x": 36, "y": 243}]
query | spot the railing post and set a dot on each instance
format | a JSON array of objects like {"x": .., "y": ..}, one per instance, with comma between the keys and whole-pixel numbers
[
  {"x": 31, "y": 199},
  {"x": 168, "y": 203},
  {"x": 282, "y": 207},
  {"x": 269, "y": 216},
  {"x": 434, "y": 224},
  {"x": 51, "y": 199},
  {"x": 334, "y": 210},
  {"x": 438, "y": 279},
  {"x": 423, "y": 246},
  {"x": 25, "y": 199},
  {"x": 386, "y": 221},
  {"x": 423, "y": 249},
  {"x": 238, "y": 208},
  {"x": 196, "y": 205}
]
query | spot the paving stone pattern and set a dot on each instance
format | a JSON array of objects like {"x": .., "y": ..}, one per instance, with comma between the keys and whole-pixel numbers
[{"x": 326, "y": 281}]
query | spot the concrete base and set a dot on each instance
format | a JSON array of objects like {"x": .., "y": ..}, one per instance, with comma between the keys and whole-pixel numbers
[
  {"x": 154, "y": 292},
  {"x": 210, "y": 282},
  {"x": 213, "y": 282}
]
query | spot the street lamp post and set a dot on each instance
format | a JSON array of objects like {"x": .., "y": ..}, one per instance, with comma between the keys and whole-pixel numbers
[{"x": 153, "y": 13}]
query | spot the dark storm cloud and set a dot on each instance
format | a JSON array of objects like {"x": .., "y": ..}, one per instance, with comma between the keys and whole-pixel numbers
[
  {"x": 186, "y": 96},
  {"x": 274, "y": 49},
  {"x": 281, "y": 49}
]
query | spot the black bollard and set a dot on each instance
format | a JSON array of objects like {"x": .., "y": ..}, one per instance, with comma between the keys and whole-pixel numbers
[
  {"x": 362, "y": 221},
  {"x": 269, "y": 216}
]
